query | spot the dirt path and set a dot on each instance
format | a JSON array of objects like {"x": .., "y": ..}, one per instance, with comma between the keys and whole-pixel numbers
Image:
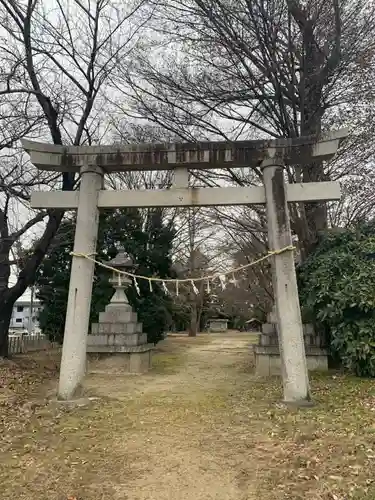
[
  {"x": 194, "y": 367},
  {"x": 184, "y": 453}
]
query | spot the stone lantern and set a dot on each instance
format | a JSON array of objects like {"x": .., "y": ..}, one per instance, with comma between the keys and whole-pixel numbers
[
  {"x": 117, "y": 340},
  {"x": 122, "y": 262}
]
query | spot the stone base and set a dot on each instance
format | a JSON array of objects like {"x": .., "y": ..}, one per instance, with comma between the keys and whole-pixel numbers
[
  {"x": 268, "y": 363},
  {"x": 217, "y": 325},
  {"x": 119, "y": 362}
]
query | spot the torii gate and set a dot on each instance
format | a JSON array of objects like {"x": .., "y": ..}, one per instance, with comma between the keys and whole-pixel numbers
[{"x": 93, "y": 162}]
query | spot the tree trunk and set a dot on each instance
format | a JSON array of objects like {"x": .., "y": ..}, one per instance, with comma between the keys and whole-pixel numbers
[
  {"x": 313, "y": 217},
  {"x": 26, "y": 276},
  {"x": 199, "y": 319},
  {"x": 5, "y": 317},
  {"x": 5, "y": 306},
  {"x": 193, "y": 330}
]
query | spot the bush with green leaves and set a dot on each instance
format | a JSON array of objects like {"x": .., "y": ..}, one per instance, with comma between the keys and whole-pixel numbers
[{"x": 337, "y": 290}]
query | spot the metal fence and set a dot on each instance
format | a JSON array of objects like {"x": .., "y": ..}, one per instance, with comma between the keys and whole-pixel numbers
[{"x": 27, "y": 343}]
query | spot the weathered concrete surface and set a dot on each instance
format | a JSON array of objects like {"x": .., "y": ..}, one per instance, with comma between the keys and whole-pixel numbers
[
  {"x": 268, "y": 361},
  {"x": 203, "y": 155},
  {"x": 293, "y": 360},
  {"x": 73, "y": 361},
  {"x": 136, "y": 362},
  {"x": 217, "y": 325},
  {"x": 185, "y": 197}
]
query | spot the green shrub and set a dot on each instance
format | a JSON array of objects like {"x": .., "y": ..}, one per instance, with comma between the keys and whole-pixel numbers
[{"x": 337, "y": 289}]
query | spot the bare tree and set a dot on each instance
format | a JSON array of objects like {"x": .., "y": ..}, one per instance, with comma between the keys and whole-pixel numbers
[
  {"x": 57, "y": 57},
  {"x": 260, "y": 69},
  {"x": 198, "y": 254},
  {"x": 243, "y": 238}
]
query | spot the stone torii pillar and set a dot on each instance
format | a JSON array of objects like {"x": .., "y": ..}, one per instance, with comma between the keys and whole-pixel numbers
[
  {"x": 92, "y": 161},
  {"x": 73, "y": 360},
  {"x": 291, "y": 342}
]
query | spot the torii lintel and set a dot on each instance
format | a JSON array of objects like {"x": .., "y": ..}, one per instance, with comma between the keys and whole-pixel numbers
[{"x": 168, "y": 156}]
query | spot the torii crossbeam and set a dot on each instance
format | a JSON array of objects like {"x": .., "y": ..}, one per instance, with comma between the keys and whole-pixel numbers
[{"x": 93, "y": 162}]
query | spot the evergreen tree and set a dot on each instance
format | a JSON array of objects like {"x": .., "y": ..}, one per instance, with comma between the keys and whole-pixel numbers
[
  {"x": 335, "y": 286},
  {"x": 145, "y": 237},
  {"x": 51, "y": 282}
]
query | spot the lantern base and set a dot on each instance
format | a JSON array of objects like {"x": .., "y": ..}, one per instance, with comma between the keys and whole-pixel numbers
[
  {"x": 117, "y": 342},
  {"x": 119, "y": 359}
]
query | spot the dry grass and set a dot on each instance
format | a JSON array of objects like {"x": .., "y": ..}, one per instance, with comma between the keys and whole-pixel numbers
[{"x": 199, "y": 426}]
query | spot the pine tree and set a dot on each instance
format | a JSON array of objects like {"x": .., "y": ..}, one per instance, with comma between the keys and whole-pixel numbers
[
  {"x": 145, "y": 237},
  {"x": 153, "y": 306}
]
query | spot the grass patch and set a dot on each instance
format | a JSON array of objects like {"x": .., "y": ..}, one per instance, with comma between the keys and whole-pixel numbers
[
  {"x": 175, "y": 341},
  {"x": 253, "y": 338},
  {"x": 61, "y": 453},
  {"x": 323, "y": 452},
  {"x": 167, "y": 363}
]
